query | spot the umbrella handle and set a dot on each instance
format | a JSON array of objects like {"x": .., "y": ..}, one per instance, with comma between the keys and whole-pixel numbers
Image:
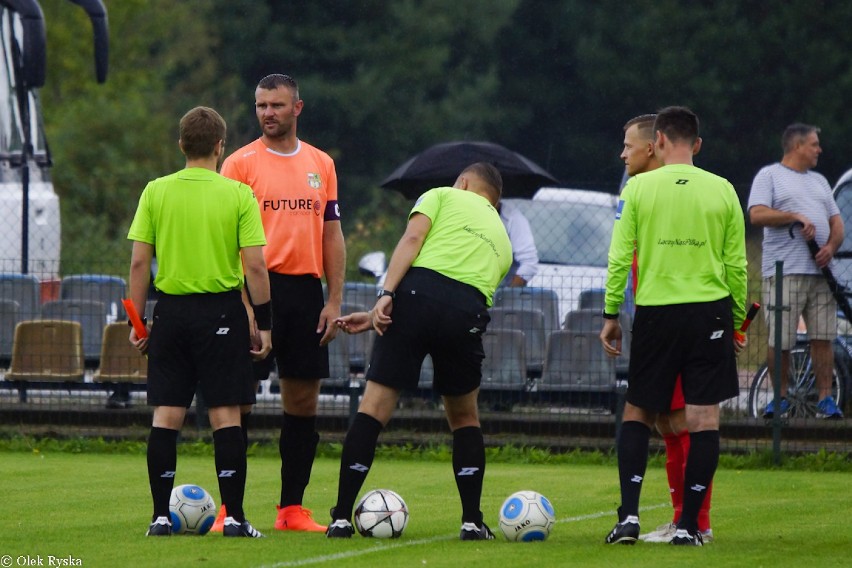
[{"x": 812, "y": 244}]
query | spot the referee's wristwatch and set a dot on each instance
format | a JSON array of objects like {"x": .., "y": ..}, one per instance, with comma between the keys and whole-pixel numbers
[
  {"x": 609, "y": 316},
  {"x": 383, "y": 293}
]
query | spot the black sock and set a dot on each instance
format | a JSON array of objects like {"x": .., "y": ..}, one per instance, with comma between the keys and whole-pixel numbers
[
  {"x": 298, "y": 448},
  {"x": 230, "y": 456},
  {"x": 469, "y": 470},
  {"x": 359, "y": 449},
  {"x": 162, "y": 463},
  {"x": 700, "y": 468},
  {"x": 245, "y": 419},
  {"x": 632, "y": 462}
]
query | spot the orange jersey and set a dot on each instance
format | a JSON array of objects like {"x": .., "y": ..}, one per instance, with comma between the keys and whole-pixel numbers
[{"x": 297, "y": 194}]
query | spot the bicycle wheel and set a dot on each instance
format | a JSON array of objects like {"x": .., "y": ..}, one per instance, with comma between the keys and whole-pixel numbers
[{"x": 802, "y": 394}]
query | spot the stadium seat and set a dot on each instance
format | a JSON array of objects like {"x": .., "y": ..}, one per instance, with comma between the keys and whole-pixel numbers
[
  {"x": 359, "y": 344},
  {"x": 531, "y": 323},
  {"x": 24, "y": 289},
  {"x": 92, "y": 317},
  {"x": 505, "y": 364},
  {"x": 531, "y": 298},
  {"x": 576, "y": 362},
  {"x": 149, "y": 310},
  {"x": 359, "y": 293},
  {"x": 10, "y": 315},
  {"x": 589, "y": 320},
  {"x": 119, "y": 360},
  {"x": 47, "y": 350},
  {"x": 427, "y": 374},
  {"x": 97, "y": 288},
  {"x": 338, "y": 364},
  {"x": 592, "y": 299}
]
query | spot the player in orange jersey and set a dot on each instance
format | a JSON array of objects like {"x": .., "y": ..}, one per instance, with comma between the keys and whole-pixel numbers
[{"x": 296, "y": 189}]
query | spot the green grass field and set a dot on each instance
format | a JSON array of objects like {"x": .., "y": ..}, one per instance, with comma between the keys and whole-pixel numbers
[{"x": 94, "y": 509}]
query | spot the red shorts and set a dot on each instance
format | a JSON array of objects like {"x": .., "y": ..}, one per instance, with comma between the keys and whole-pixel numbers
[{"x": 677, "y": 396}]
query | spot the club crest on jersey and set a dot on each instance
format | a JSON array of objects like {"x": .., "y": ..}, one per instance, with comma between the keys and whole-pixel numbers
[{"x": 314, "y": 181}]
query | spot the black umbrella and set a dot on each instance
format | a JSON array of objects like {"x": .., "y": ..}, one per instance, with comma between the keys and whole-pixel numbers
[{"x": 441, "y": 164}]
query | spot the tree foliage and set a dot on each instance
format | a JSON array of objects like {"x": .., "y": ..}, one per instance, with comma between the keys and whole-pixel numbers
[{"x": 384, "y": 79}]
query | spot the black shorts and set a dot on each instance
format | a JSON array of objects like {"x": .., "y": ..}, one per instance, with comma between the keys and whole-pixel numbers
[
  {"x": 693, "y": 340},
  {"x": 200, "y": 339},
  {"x": 436, "y": 315},
  {"x": 296, "y": 305}
]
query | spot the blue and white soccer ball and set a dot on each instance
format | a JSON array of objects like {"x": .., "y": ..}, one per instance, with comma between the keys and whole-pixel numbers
[
  {"x": 381, "y": 513},
  {"x": 192, "y": 510},
  {"x": 526, "y": 516}
]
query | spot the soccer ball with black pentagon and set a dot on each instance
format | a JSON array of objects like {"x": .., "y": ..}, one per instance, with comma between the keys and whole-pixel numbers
[
  {"x": 192, "y": 510},
  {"x": 381, "y": 513},
  {"x": 526, "y": 516}
]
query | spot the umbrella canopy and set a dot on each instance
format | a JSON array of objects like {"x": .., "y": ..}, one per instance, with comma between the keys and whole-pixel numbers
[{"x": 441, "y": 164}]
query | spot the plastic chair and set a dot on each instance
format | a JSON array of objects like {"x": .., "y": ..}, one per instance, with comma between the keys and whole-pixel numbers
[
  {"x": 531, "y": 298},
  {"x": 359, "y": 293},
  {"x": 359, "y": 344},
  {"x": 576, "y": 362},
  {"x": 338, "y": 364},
  {"x": 120, "y": 362},
  {"x": 592, "y": 299},
  {"x": 91, "y": 315},
  {"x": 531, "y": 323},
  {"x": 97, "y": 288},
  {"x": 10, "y": 315},
  {"x": 24, "y": 289},
  {"x": 47, "y": 350},
  {"x": 427, "y": 374},
  {"x": 505, "y": 363}
]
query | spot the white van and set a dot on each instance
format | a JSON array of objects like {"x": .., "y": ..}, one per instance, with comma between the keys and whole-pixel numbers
[{"x": 572, "y": 230}]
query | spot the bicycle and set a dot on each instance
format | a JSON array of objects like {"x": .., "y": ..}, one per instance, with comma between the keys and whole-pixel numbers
[{"x": 802, "y": 394}]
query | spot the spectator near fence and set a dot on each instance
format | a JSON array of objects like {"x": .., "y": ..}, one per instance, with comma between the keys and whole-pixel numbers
[{"x": 790, "y": 192}]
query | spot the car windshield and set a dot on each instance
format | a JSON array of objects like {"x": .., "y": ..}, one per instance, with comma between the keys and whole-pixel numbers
[
  {"x": 569, "y": 233},
  {"x": 843, "y": 267}
]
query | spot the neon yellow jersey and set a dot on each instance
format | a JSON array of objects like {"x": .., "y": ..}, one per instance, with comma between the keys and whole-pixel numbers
[
  {"x": 467, "y": 241},
  {"x": 198, "y": 221},
  {"x": 689, "y": 233}
]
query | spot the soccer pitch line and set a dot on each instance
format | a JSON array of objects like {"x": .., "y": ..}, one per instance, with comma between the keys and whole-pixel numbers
[{"x": 385, "y": 547}]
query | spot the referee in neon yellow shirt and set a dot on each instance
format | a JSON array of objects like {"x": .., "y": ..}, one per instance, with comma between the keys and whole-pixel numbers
[
  {"x": 689, "y": 233},
  {"x": 205, "y": 228},
  {"x": 440, "y": 283}
]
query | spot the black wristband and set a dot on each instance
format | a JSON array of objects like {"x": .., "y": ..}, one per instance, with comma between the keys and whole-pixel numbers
[
  {"x": 263, "y": 316},
  {"x": 607, "y": 316}
]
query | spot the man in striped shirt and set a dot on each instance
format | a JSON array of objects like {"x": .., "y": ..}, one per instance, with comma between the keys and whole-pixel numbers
[{"x": 790, "y": 192}]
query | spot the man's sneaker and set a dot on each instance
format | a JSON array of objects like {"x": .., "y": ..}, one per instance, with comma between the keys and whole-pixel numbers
[
  {"x": 624, "y": 532},
  {"x": 160, "y": 527},
  {"x": 683, "y": 537},
  {"x": 219, "y": 523},
  {"x": 827, "y": 409},
  {"x": 233, "y": 528},
  {"x": 706, "y": 536},
  {"x": 296, "y": 518},
  {"x": 663, "y": 533},
  {"x": 769, "y": 412},
  {"x": 469, "y": 531},
  {"x": 341, "y": 528}
]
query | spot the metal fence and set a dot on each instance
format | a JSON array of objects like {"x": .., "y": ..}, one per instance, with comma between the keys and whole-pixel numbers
[{"x": 68, "y": 369}]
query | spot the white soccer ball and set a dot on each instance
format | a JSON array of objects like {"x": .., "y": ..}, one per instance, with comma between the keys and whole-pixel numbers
[
  {"x": 381, "y": 513},
  {"x": 192, "y": 510},
  {"x": 526, "y": 516}
]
